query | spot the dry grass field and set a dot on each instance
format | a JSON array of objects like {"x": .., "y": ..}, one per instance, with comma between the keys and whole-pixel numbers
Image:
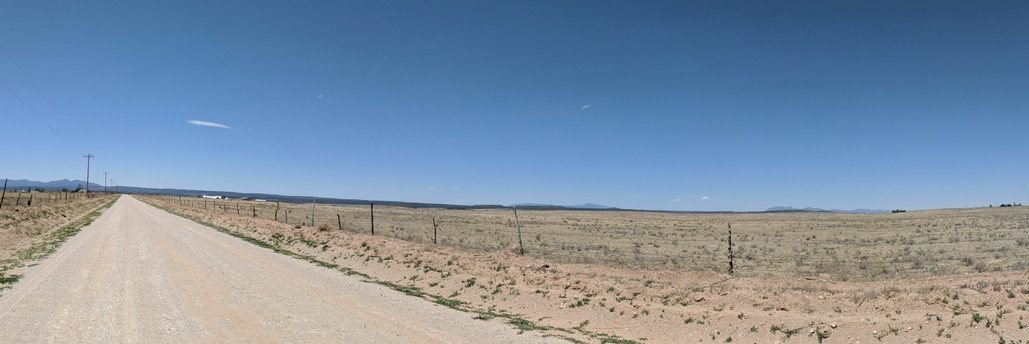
[
  {"x": 29, "y": 232},
  {"x": 637, "y": 277},
  {"x": 824, "y": 245}
]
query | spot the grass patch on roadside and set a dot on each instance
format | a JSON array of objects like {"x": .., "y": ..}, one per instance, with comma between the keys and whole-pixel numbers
[{"x": 5, "y": 279}]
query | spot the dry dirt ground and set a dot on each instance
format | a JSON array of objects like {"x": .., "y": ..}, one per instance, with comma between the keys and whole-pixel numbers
[
  {"x": 138, "y": 274},
  {"x": 918, "y": 285}
]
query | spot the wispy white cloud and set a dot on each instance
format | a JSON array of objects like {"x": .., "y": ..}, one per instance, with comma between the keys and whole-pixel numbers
[
  {"x": 320, "y": 96},
  {"x": 208, "y": 124},
  {"x": 705, "y": 198},
  {"x": 585, "y": 107},
  {"x": 676, "y": 200}
]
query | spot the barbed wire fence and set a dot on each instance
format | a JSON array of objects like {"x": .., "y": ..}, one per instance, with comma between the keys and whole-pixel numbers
[
  {"x": 16, "y": 198},
  {"x": 739, "y": 246}
]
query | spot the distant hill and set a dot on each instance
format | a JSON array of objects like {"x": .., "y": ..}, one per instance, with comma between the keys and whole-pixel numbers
[
  {"x": 589, "y": 206},
  {"x": 584, "y": 206},
  {"x": 783, "y": 209},
  {"x": 535, "y": 205}
]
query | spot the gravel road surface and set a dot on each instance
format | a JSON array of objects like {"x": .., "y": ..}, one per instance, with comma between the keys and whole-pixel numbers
[{"x": 141, "y": 275}]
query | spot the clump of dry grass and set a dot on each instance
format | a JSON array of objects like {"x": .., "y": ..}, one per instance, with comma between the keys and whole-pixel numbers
[{"x": 323, "y": 227}]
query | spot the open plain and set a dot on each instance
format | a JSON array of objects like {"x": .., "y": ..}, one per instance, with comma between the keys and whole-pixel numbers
[{"x": 928, "y": 276}]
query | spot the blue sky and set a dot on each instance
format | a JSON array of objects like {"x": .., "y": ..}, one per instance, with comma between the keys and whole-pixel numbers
[{"x": 712, "y": 105}]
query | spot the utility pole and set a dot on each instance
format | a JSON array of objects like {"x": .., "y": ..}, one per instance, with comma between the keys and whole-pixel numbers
[{"x": 88, "y": 156}]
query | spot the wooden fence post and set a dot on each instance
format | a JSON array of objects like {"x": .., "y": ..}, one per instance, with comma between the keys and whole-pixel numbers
[
  {"x": 434, "y": 230},
  {"x": 4, "y": 194},
  {"x": 730, "y": 249},
  {"x": 17, "y": 201},
  {"x": 30, "y": 198},
  {"x": 276, "y": 211},
  {"x": 339, "y": 222},
  {"x": 521, "y": 249},
  {"x": 314, "y": 202},
  {"x": 371, "y": 210},
  {"x": 253, "y": 207}
]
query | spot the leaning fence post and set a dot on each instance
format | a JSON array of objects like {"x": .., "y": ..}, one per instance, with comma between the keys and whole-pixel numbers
[
  {"x": 30, "y": 198},
  {"x": 276, "y": 211},
  {"x": 730, "y": 249},
  {"x": 17, "y": 201},
  {"x": 521, "y": 249},
  {"x": 339, "y": 222}
]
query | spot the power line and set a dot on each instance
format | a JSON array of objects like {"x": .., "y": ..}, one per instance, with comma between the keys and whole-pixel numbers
[{"x": 10, "y": 64}]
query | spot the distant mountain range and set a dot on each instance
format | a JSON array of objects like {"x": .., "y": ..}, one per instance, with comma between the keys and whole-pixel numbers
[
  {"x": 20, "y": 184},
  {"x": 782, "y": 209},
  {"x": 15, "y": 184}
]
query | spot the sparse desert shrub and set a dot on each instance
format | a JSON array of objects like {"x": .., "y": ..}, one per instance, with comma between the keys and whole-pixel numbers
[
  {"x": 323, "y": 227},
  {"x": 967, "y": 261}
]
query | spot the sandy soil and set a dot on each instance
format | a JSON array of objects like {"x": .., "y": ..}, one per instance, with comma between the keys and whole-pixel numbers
[
  {"x": 594, "y": 302},
  {"x": 140, "y": 275}
]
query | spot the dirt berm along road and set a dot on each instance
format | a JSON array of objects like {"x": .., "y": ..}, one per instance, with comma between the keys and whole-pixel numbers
[{"x": 141, "y": 275}]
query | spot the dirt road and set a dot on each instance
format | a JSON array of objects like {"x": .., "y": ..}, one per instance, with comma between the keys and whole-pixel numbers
[{"x": 139, "y": 274}]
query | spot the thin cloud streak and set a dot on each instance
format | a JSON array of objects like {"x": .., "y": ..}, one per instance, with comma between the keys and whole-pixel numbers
[{"x": 208, "y": 124}]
